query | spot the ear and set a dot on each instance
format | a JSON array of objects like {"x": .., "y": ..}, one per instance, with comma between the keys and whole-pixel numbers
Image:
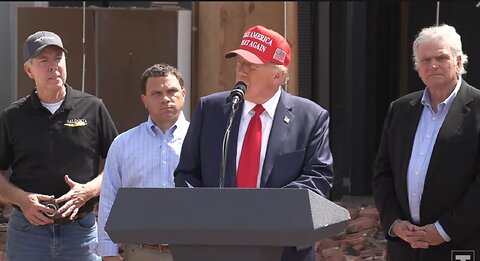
[
  {"x": 279, "y": 77},
  {"x": 144, "y": 100},
  {"x": 28, "y": 70}
]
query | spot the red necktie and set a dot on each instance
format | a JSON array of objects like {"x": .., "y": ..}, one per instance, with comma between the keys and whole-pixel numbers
[{"x": 250, "y": 157}]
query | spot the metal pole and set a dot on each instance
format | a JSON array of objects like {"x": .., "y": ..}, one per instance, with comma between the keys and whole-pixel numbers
[
  {"x": 285, "y": 30},
  {"x": 438, "y": 12},
  {"x": 83, "y": 49}
]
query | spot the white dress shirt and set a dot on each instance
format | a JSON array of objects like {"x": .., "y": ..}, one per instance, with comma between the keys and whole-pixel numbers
[{"x": 267, "y": 119}]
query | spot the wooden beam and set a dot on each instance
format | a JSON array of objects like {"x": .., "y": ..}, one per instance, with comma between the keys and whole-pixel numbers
[{"x": 219, "y": 28}]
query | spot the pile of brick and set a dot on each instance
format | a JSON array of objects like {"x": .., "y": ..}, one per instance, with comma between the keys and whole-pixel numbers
[
  {"x": 4, "y": 212},
  {"x": 363, "y": 238}
]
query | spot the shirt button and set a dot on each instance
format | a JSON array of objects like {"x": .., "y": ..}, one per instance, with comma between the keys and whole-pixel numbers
[
  {"x": 415, "y": 194},
  {"x": 164, "y": 162},
  {"x": 434, "y": 118},
  {"x": 428, "y": 136},
  {"x": 421, "y": 154},
  {"x": 416, "y": 172}
]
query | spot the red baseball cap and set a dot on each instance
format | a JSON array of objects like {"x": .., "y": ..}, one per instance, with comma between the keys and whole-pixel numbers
[{"x": 261, "y": 46}]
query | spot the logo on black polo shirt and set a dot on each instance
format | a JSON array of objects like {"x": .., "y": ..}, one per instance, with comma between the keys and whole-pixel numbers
[{"x": 76, "y": 123}]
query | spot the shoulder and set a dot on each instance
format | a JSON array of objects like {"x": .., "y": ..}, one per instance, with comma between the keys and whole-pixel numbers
[
  {"x": 218, "y": 97},
  {"x": 470, "y": 90},
  {"x": 213, "y": 100},
  {"x": 18, "y": 106},
  {"x": 136, "y": 131},
  {"x": 78, "y": 96},
  {"x": 408, "y": 98},
  {"x": 300, "y": 104},
  {"x": 129, "y": 137}
]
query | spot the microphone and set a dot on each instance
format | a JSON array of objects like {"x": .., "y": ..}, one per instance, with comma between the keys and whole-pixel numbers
[
  {"x": 238, "y": 92},
  {"x": 237, "y": 97}
]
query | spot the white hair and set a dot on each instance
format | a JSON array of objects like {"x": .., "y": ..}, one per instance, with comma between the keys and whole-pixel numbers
[
  {"x": 443, "y": 33},
  {"x": 284, "y": 69}
]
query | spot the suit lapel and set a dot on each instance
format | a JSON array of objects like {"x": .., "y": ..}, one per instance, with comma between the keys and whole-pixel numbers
[
  {"x": 450, "y": 127},
  {"x": 281, "y": 125},
  {"x": 230, "y": 169}
]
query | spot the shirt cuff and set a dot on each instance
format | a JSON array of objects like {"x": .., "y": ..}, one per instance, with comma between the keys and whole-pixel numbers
[
  {"x": 442, "y": 232},
  {"x": 390, "y": 231},
  {"x": 104, "y": 248}
]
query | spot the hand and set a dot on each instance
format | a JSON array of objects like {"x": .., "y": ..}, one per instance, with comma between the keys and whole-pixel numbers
[
  {"x": 74, "y": 199},
  {"x": 33, "y": 210},
  {"x": 112, "y": 258},
  {"x": 432, "y": 236},
  {"x": 410, "y": 233}
]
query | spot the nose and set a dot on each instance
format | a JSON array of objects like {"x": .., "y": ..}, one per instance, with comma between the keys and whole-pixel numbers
[
  {"x": 241, "y": 70},
  {"x": 52, "y": 67},
  {"x": 434, "y": 66},
  {"x": 165, "y": 99}
]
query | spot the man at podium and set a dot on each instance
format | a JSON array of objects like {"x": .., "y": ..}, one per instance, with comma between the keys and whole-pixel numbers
[{"x": 277, "y": 140}]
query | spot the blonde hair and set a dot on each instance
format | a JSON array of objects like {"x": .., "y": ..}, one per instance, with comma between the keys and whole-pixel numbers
[{"x": 283, "y": 69}]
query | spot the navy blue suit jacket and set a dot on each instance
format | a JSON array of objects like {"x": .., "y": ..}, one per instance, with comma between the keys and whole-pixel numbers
[{"x": 297, "y": 156}]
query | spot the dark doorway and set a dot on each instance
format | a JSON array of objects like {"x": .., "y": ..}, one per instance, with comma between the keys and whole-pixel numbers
[{"x": 368, "y": 65}]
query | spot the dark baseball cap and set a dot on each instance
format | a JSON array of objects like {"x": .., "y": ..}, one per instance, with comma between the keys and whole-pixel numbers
[{"x": 39, "y": 40}]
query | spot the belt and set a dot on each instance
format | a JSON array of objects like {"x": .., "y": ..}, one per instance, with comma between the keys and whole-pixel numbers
[
  {"x": 162, "y": 248},
  {"x": 64, "y": 220}
]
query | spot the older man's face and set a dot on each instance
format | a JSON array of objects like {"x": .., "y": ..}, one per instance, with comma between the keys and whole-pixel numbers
[
  {"x": 48, "y": 69},
  {"x": 261, "y": 79},
  {"x": 437, "y": 67}
]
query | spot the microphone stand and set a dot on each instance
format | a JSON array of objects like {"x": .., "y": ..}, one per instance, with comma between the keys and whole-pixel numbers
[{"x": 226, "y": 138}]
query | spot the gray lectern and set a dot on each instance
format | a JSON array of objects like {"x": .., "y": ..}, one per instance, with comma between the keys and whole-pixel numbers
[{"x": 223, "y": 223}]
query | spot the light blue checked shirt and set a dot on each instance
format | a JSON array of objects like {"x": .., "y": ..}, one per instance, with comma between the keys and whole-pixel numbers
[
  {"x": 141, "y": 157},
  {"x": 425, "y": 137}
]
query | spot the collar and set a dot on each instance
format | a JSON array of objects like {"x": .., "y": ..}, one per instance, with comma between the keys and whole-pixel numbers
[
  {"x": 181, "y": 123},
  {"x": 426, "y": 96},
  {"x": 270, "y": 106},
  {"x": 67, "y": 102}
]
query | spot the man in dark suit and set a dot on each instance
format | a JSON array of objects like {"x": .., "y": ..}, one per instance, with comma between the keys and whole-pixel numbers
[
  {"x": 293, "y": 149},
  {"x": 427, "y": 170}
]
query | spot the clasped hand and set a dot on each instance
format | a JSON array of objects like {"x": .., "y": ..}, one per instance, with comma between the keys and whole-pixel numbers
[
  {"x": 417, "y": 236},
  {"x": 75, "y": 198}
]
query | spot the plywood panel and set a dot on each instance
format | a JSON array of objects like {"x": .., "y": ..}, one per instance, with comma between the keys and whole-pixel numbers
[
  {"x": 120, "y": 44},
  {"x": 219, "y": 28},
  {"x": 129, "y": 41},
  {"x": 67, "y": 23},
  {"x": 292, "y": 38}
]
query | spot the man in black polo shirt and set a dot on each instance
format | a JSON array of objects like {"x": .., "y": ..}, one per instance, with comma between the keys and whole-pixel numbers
[{"x": 53, "y": 140}]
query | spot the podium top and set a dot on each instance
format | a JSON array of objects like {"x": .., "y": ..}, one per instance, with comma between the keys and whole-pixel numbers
[{"x": 223, "y": 216}]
